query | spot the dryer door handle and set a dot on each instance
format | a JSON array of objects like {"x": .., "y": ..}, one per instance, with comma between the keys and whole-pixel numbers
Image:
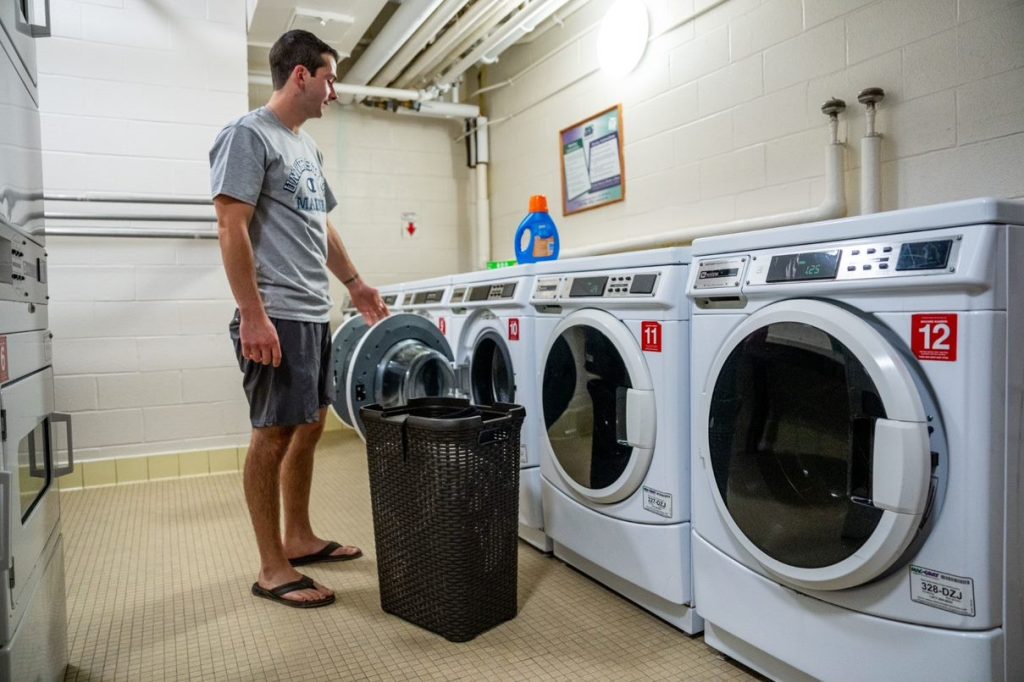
[
  {"x": 636, "y": 412},
  {"x": 900, "y": 466}
]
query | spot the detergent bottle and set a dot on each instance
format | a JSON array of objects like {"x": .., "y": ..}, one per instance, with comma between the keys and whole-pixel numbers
[{"x": 537, "y": 236}]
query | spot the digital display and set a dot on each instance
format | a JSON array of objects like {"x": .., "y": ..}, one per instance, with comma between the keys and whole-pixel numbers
[
  {"x": 924, "y": 255},
  {"x": 797, "y": 267},
  {"x": 480, "y": 293},
  {"x": 428, "y": 296},
  {"x": 390, "y": 299},
  {"x": 643, "y": 284},
  {"x": 509, "y": 290},
  {"x": 588, "y": 286},
  {"x": 715, "y": 274}
]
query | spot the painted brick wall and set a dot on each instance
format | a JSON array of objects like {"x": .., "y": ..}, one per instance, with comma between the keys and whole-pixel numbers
[
  {"x": 133, "y": 93},
  {"x": 722, "y": 117}
]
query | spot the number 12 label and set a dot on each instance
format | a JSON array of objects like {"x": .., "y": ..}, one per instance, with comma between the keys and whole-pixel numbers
[{"x": 933, "y": 336}]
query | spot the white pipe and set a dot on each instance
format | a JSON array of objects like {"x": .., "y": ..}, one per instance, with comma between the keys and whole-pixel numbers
[
  {"x": 870, "y": 174},
  {"x": 359, "y": 90},
  {"x": 424, "y": 34},
  {"x": 481, "y": 14},
  {"x": 511, "y": 31},
  {"x": 402, "y": 24},
  {"x": 833, "y": 206},
  {"x": 483, "y": 202},
  {"x": 443, "y": 110}
]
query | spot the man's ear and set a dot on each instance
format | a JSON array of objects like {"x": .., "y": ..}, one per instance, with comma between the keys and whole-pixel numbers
[{"x": 301, "y": 74}]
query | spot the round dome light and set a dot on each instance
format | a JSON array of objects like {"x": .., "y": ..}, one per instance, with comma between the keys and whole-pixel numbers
[{"x": 622, "y": 39}]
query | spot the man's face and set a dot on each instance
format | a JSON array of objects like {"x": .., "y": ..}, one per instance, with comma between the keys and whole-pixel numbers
[{"x": 321, "y": 87}]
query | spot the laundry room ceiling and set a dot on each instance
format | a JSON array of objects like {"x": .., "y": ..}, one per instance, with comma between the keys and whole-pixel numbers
[{"x": 409, "y": 44}]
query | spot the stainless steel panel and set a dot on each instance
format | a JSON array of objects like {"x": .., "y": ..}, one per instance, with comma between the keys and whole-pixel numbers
[
  {"x": 27, "y": 402},
  {"x": 38, "y": 648},
  {"x": 21, "y": 159},
  {"x": 16, "y": 34}
]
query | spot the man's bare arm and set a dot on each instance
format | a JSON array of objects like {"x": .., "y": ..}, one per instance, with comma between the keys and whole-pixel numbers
[
  {"x": 366, "y": 299},
  {"x": 257, "y": 332}
]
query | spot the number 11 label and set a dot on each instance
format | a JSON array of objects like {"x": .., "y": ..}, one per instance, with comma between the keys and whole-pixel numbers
[
  {"x": 650, "y": 337},
  {"x": 933, "y": 336}
]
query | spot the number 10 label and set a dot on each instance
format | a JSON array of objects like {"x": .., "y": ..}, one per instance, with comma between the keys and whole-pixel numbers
[{"x": 933, "y": 336}]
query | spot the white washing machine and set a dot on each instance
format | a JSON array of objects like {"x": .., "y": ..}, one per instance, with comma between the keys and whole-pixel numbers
[
  {"x": 613, "y": 340},
  {"x": 406, "y": 355},
  {"x": 857, "y": 435},
  {"x": 493, "y": 333}
]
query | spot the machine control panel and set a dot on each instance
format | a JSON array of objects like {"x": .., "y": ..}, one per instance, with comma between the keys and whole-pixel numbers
[
  {"x": 23, "y": 275},
  {"x": 546, "y": 288},
  {"x": 390, "y": 299},
  {"x": 458, "y": 295},
  {"x": 427, "y": 297},
  {"x": 492, "y": 292},
  {"x": 839, "y": 262}
]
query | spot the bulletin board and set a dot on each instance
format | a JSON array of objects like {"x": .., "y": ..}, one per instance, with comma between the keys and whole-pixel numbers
[{"x": 593, "y": 167}]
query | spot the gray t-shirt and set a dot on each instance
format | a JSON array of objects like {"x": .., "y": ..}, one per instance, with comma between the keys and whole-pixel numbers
[{"x": 256, "y": 159}]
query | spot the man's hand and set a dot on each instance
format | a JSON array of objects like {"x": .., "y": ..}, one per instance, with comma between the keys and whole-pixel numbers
[
  {"x": 259, "y": 340},
  {"x": 368, "y": 302}
]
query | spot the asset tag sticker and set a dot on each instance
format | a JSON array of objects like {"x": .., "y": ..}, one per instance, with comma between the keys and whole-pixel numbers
[
  {"x": 944, "y": 591},
  {"x": 658, "y": 502},
  {"x": 3, "y": 360}
]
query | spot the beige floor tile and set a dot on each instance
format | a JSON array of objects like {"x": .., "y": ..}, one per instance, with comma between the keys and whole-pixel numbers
[
  {"x": 223, "y": 460},
  {"x": 193, "y": 463},
  {"x": 159, "y": 577},
  {"x": 163, "y": 466},
  {"x": 132, "y": 470},
  {"x": 99, "y": 473},
  {"x": 73, "y": 480}
]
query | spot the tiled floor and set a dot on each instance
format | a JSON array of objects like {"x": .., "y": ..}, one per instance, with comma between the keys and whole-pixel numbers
[{"x": 158, "y": 589}]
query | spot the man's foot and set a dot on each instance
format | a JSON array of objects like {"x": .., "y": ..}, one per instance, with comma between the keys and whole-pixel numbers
[
  {"x": 295, "y": 593},
  {"x": 329, "y": 552},
  {"x": 291, "y": 586}
]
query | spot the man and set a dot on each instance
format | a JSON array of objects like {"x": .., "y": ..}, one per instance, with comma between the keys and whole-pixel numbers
[{"x": 277, "y": 245}]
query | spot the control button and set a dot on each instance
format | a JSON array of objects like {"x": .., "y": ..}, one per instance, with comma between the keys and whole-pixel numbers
[
  {"x": 851, "y": 268},
  {"x": 883, "y": 266},
  {"x": 884, "y": 259},
  {"x": 870, "y": 251},
  {"x": 856, "y": 252},
  {"x": 867, "y": 267},
  {"x": 886, "y": 249}
]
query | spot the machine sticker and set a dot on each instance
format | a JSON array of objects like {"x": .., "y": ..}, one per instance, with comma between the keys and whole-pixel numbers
[
  {"x": 944, "y": 591},
  {"x": 3, "y": 360},
  {"x": 513, "y": 329},
  {"x": 658, "y": 502},
  {"x": 442, "y": 324},
  {"x": 933, "y": 336},
  {"x": 650, "y": 337},
  {"x": 523, "y": 455}
]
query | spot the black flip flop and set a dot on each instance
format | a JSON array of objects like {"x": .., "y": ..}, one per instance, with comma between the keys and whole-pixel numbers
[
  {"x": 324, "y": 556},
  {"x": 277, "y": 594}
]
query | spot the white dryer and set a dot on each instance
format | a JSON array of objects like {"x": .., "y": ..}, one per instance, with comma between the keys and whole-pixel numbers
[
  {"x": 857, "y": 438},
  {"x": 406, "y": 355},
  {"x": 493, "y": 335},
  {"x": 613, "y": 340}
]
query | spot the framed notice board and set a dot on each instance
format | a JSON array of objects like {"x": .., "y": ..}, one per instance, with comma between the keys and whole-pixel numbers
[{"x": 593, "y": 168}]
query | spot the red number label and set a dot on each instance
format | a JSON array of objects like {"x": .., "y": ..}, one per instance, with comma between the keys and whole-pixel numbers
[
  {"x": 442, "y": 325},
  {"x": 933, "y": 336},
  {"x": 650, "y": 336},
  {"x": 513, "y": 329}
]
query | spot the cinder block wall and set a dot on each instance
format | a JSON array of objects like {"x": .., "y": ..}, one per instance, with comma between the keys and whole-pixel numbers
[
  {"x": 133, "y": 93},
  {"x": 722, "y": 117}
]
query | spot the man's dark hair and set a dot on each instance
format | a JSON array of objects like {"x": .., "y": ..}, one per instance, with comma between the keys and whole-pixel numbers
[{"x": 297, "y": 48}]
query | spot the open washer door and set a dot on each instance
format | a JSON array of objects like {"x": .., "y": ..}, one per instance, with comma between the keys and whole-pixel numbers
[
  {"x": 816, "y": 444},
  {"x": 401, "y": 357},
  {"x": 489, "y": 374},
  {"x": 343, "y": 346},
  {"x": 598, "y": 406}
]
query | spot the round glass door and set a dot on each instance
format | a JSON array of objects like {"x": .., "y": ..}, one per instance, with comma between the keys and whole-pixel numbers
[
  {"x": 593, "y": 370},
  {"x": 791, "y": 443},
  {"x": 490, "y": 371},
  {"x": 817, "y": 446}
]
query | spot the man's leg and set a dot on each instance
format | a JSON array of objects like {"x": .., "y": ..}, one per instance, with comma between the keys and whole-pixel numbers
[
  {"x": 296, "y": 479},
  {"x": 267, "y": 449}
]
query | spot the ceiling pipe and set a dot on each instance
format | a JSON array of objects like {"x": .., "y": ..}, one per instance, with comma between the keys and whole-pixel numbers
[
  {"x": 483, "y": 13},
  {"x": 453, "y": 54},
  {"x": 493, "y": 45},
  {"x": 400, "y": 27},
  {"x": 360, "y": 91},
  {"x": 833, "y": 206},
  {"x": 427, "y": 31}
]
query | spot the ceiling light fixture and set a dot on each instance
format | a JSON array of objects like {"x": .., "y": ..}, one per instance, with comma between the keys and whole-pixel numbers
[{"x": 622, "y": 39}]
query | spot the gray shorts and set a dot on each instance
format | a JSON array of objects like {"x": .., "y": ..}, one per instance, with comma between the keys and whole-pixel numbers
[{"x": 296, "y": 391}]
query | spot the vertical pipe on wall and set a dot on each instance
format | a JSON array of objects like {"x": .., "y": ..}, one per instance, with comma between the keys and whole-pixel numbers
[
  {"x": 482, "y": 252},
  {"x": 870, "y": 155}
]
